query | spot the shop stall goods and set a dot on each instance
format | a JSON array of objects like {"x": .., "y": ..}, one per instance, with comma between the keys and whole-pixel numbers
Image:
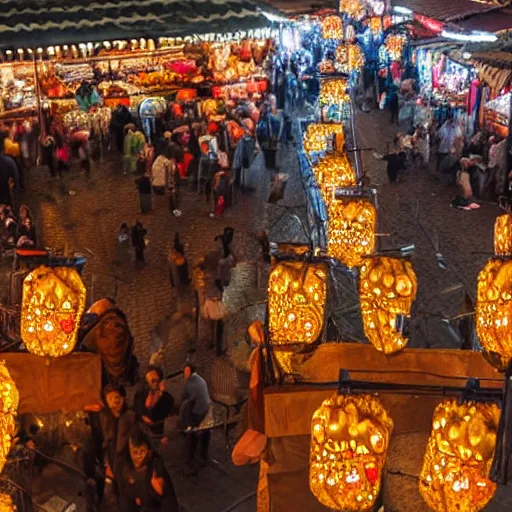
[
  {"x": 503, "y": 235},
  {"x": 332, "y": 27},
  {"x": 351, "y": 233},
  {"x": 459, "y": 455},
  {"x": 316, "y": 135},
  {"x": 6, "y": 503},
  {"x": 494, "y": 309},
  {"x": 297, "y": 293},
  {"x": 395, "y": 44},
  {"x": 387, "y": 288},
  {"x": 9, "y": 399},
  {"x": 333, "y": 91},
  {"x": 350, "y": 436},
  {"x": 355, "y": 9},
  {"x": 349, "y": 58},
  {"x": 52, "y": 306}
]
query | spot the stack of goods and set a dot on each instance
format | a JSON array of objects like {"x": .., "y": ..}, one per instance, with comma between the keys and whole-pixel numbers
[{"x": 17, "y": 88}]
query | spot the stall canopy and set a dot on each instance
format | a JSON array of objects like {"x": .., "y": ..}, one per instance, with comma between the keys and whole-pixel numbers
[
  {"x": 34, "y": 23},
  {"x": 446, "y": 11}
]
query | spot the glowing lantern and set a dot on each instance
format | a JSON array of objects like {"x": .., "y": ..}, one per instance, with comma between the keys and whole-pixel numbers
[
  {"x": 332, "y": 172},
  {"x": 354, "y": 9},
  {"x": 6, "y": 504},
  {"x": 316, "y": 135},
  {"x": 332, "y": 28},
  {"x": 387, "y": 288},
  {"x": 53, "y": 304},
  {"x": 349, "y": 441},
  {"x": 9, "y": 399},
  {"x": 352, "y": 225},
  {"x": 375, "y": 24},
  {"x": 334, "y": 91},
  {"x": 494, "y": 309},
  {"x": 349, "y": 58},
  {"x": 503, "y": 235},
  {"x": 395, "y": 45},
  {"x": 459, "y": 455},
  {"x": 296, "y": 300}
]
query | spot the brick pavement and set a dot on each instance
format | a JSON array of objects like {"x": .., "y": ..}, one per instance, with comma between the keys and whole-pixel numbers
[{"x": 89, "y": 221}]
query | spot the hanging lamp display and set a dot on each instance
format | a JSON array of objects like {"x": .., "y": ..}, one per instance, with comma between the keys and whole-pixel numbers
[
  {"x": 375, "y": 25},
  {"x": 494, "y": 309},
  {"x": 334, "y": 90},
  {"x": 6, "y": 503},
  {"x": 332, "y": 172},
  {"x": 332, "y": 27},
  {"x": 52, "y": 306},
  {"x": 503, "y": 235},
  {"x": 355, "y": 9},
  {"x": 349, "y": 58},
  {"x": 395, "y": 44},
  {"x": 316, "y": 135},
  {"x": 387, "y": 288},
  {"x": 351, "y": 231},
  {"x": 9, "y": 399},
  {"x": 297, "y": 293},
  {"x": 459, "y": 455},
  {"x": 349, "y": 442}
]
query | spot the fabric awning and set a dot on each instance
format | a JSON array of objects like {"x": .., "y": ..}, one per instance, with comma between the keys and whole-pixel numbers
[
  {"x": 491, "y": 21},
  {"x": 445, "y": 11},
  {"x": 49, "y": 22}
]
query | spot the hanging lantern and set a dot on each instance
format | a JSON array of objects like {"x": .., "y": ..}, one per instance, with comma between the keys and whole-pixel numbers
[
  {"x": 334, "y": 91},
  {"x": 53, "y": 304},
  {"x": 6, "y": 503},
  {"x": 349, "y": 58},
  {"x": 387, "y": 288},
  {"x": 352, "y": 225},
  {"x": 395, "y": 44},
  {"x": 349, "y": 441},
  {"x": 316, "y": 135},
  {"x": 494, "y": 309},
  {"x": 332, "y": 172},
  {"x": 297, "y": 294},
  {"x": 375, "y": 25},
  {"x": 9, "y": 399},
  {"x": 459, "y": 455},
  {"x": 503, "y": 235},
  {"x": 332, "y": 28},
  {"x": 354, "y": 9}
]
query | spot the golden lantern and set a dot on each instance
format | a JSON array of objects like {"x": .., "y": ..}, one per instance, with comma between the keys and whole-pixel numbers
[
  {"x": 387, "y": 287},
  {"x": 503, "y": 235},
  {"x": 375, "y": 24},
  {"x": 349, "y": 441},
  {"x": 6, "y": 503},
  {"x": 316, "y": 135},
  {"x": 332, "y": 27},
  {"x": 354, "y": 9},
  {"x": 349, "y": 57},
  {"x": 53, "y": 304},
  {"x": 334, "y": 91},
  {"x": 332, "y": 172},
  {"x": 297, "y": 293},
  {"x": 494, "y": 309},
  {"x": 9, "y": 406},
  {"x": 459, "y": 455},
  {"x": 395, "y": 45},
  {"x": 351, "y": 233}
]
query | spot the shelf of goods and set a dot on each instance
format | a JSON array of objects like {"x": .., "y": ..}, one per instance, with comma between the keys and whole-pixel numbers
[
  {"x": 18, "y": 97},
  {"x": 497, "y": 114}
]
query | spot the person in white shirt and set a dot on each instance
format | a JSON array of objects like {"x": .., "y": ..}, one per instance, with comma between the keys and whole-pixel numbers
[{"x": 450, "y": 139}]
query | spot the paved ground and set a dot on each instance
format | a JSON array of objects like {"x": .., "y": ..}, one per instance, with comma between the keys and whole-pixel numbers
[{"x": 89, "y": 221}]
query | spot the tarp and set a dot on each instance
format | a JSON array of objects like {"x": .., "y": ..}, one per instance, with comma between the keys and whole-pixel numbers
[
  {"x": 51, "y": 385},
  {"x": 51, "y": 22}
]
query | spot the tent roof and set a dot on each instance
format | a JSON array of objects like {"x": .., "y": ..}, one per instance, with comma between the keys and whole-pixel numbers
[
  {"x": 444, "y": 10},
  {"x": 49, "y": 22}
]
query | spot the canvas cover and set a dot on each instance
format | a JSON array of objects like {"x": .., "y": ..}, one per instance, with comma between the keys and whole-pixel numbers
[
  {"x": 64, "y": 384},
  {"x": 288, "y": 410}
]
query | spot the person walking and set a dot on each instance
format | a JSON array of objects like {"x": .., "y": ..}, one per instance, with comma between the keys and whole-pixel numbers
[
  {"x": 145, "y": 193},
  {"x": 123, "y": 244},
  {"x": 139, "y": 242},
  {"x": 178, "y": 272}
]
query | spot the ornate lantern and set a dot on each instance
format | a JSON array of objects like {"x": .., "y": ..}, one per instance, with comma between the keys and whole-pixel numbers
[
  {"x": 53, "y": 304},
  {"x": 387, "y": 288},
  {"x": 6, "y": 503},
  {"x": 494, "y": 309},
  {"x": 332, "y": 27},
  {"x": 334, "y": 91},
  {"x": 503, "y": 235},
  {"x": 316, "y": 135},
  {"x": 349, "y": 58},
  {"x": 349, "y": 441},
  {"x": 9, "y": 399},
  {"x": 352, "y": 224},
  {"x": 459, "y": 455},
  {"x": 354, "y": 9},
  {"x": 297, "y": 293},
  {"x": 395, "y": 45},
  {"x": 332, "y": 172},
  {"x": 375, "y": 25}
]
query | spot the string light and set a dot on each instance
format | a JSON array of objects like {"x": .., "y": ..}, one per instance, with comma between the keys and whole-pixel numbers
[{"x": 474, "y": 37}]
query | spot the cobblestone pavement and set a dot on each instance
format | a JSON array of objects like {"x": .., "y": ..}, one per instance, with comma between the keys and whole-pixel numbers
[{"x": 88, "y": 222}]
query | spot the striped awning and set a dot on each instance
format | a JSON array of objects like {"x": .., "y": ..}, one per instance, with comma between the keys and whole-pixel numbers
[{"x": 32, "y": 23}]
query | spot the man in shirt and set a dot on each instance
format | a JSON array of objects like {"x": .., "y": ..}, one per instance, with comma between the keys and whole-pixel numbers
[
  {"x": 450, "y": 140},
  {"x": 153, "y": 404}
]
